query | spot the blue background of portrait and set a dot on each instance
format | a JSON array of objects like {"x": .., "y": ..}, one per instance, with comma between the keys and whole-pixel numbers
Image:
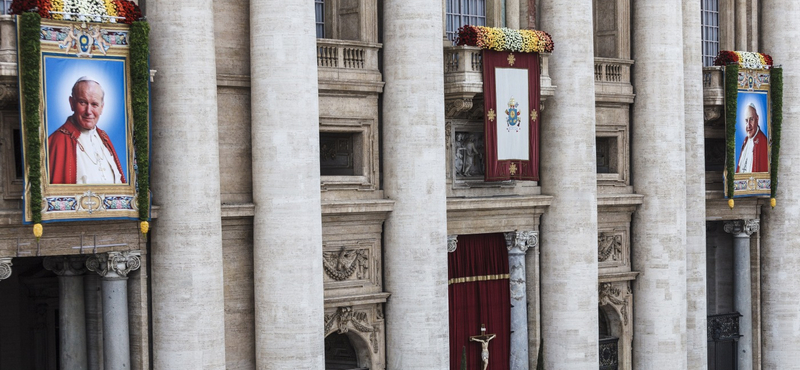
[
  {"x": 759, "y": 99},
  {"x": 61, "y": 72}
]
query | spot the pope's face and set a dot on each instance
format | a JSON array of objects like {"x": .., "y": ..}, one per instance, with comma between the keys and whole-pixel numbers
[
  {"x": 87, "y": 104},
  {"x": 751, "y": 121}
]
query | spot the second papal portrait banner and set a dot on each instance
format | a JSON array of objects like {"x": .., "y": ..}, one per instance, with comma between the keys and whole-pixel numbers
[
  {"x": 511, "y": 95},
  {"x": 87, "y": 156}
]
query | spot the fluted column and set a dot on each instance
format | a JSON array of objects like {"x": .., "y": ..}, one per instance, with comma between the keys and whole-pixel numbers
[
  {"x": 5, "y": 268},
  {"x": 518, "y": 243},
  {"x": 114, "y": 268},
  {"x": 71, "y": 310},
  {"x": 659, "y": 173},
  {"x": 780, "y": 237},
  {"x": 696, "y": 342},
  {"x": 287, "y": 227},
  {"x": 415, "y": 270},
  {"x": 569, "y": 227},
  {"x": 187, "y": 286},
  {"x": 741, "y": 230}
]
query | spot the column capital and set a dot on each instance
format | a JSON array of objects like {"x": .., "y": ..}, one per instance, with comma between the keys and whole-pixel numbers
[
  {"x": 65, "y": 265},
  {"x": 521, "y": 241},
  {"x": 742, "y": 228},
  {"x": 452, "y": 243},
  {"x": 5, "y": 268},
  {"x": 114, "y": 264}
]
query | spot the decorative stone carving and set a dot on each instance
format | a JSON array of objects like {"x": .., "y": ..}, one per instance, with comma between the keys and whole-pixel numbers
[
  {"x": 711, "y": 113},
  {"x": 746, "y": 227},
  {"x": 346, "y": 318},
  {"x": 9, "y": 94},
  {"x": 521, "y": 240},
  {"x": 5, "y": 268},
  {"x": 452, "y": 243},
  {"x": 65, "y": 265},
  {"x": 341, "y": 265},
  {"x": 114, "y": 264},
  {"x": 611, "y": 295},
  {"x": 609, "y": 246},
  {"x": 469, "y": 161},
  {"x": 455, "y": 107},
  {"x": 448, "y": 129}
]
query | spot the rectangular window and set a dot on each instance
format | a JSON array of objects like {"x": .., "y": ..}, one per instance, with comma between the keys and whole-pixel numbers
[
  {"x": 319, "y": 10},
  {"x": 710, "y": 24},
  {"x": 464, "y": 12}
]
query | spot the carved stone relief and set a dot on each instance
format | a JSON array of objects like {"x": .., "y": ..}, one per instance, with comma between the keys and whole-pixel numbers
[
  {"x": 452, "y": 243},
  {"x": 5, "y": 268},
  {"x": 468, "y": 160},
  {"x": 343, "y": 264},
  {"x": 616, "y": 297},
  {"x": 609, "y": 247},
  {"x": 346, "y": 318},
  {"x": 114, "y": 263}
]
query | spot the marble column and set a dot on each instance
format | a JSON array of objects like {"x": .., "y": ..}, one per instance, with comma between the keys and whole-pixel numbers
[
  {"x": 743, "y": 302},
  {"x": 94, "y": 320},
  {"x": 71, "y": 310},
  {"x": 114, "y": 268},
  {"x": 287, "y": 227},
  {"x": 415, "y": 270},
  {"x": 568, "y": 231},
  {"x": 512, "y": 13},
  {"x": 780, "y": 236},
  {"x": 187, "y": 277},
  {"x": 696, "y": 311},
  {"x": 658, "y": 172},
  {"x": 5, "y": 268},
  {"x": 518, "y": 243}
]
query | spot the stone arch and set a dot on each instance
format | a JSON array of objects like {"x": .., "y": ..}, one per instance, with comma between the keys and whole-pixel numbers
[
  {"x": 347, "y": 344},
  {"x": 613, "y": 320}
]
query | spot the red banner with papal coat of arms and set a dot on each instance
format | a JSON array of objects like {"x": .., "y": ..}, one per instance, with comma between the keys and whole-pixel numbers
[{"x": 511, "y": 94}]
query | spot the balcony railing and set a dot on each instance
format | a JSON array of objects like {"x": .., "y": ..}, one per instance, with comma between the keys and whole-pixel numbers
[
  {"x": 612, "y": 80},
  {"x": 609, "y": 353},
  {"x": 713, "y": 88},
  {"x": 345, "y": 65}
]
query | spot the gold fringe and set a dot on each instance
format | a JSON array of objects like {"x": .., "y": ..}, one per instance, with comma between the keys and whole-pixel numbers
[{"x": 471, "y": 279}]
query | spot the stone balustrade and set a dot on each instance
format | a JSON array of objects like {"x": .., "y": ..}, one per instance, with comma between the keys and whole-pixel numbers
[
  {"x": 713, "y": 87},
  {"x": 344, "y": 65},
  {"x": 612, "y": 78}
]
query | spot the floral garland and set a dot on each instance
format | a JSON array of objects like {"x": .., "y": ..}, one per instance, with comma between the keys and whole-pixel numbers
[
  {"x": 745, "y": 59},
  {"x": 731, "y": 94},
  {"x": 776, "y": 87},
  {"x": 126, "y": 9},
  {"x": 505, "y": 39},
  {"x": 30, "y": 50}
]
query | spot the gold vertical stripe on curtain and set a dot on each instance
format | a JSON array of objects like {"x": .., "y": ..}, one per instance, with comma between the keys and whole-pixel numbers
[{"x": 470, "y": 279}]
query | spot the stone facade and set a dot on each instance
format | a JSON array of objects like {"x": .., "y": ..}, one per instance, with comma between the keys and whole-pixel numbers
[{"x": 336, "y": 173}]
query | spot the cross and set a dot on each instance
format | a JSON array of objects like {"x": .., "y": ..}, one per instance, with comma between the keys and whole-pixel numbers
[{"x": 483, "y": 339}]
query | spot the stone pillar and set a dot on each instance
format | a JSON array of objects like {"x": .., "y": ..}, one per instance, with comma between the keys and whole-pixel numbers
[
  {"x": 780, "y": 285},
  {"x": 659, "y": 173},
  {"x": 287, "y": 227},
  {"x": 568, "y": 231},
  {"x": 512, "y": 13},
  {"x": 743, "y": 301},
  {"x": 415, "y": 270},
  {"x": 5, "y": 268},
  {"x": 71, "y": 310},
  {"x": 696, "y": 312},
  {"x": 518, "y": 243},
  {"x": 94, "y": 320},
  {"x": 187, "y": 281},
  {"x": 114, "y": 267}
]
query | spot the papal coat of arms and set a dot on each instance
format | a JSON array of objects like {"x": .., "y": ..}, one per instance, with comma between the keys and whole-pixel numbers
[{"x": 512, "y": 116}]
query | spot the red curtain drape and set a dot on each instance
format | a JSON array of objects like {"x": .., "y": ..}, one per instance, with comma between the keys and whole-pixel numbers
[{"x": 479, "y": 294}]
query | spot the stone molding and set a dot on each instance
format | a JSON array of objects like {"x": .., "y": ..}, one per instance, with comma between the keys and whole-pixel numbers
[
  {"x": 65, "y": 265},
  {"x": 341, "y": 265},
  {"x": 346, "y": 318},
  {"x": 452, "y": 243},
  {"x": 742, "y": 228},
  {"x": 617, "y": 297},
  {"x": 520, "y": 241},
  {"x": 114, "y": 264},
  {"x": 5, "y": 268},
  {"x": 609, "y": 246}
]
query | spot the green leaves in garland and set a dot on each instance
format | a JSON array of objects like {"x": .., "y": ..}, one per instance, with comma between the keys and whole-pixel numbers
[
  {"x": 776, "y": 90},
  {"x": 30, "y": 65},
  {"x": 140, "y": 78},
  {"x": 731, "y": 94}
]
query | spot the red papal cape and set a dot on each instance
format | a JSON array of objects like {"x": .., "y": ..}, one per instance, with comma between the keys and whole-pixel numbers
[
  {"x": 760, "y": 152},
  {"x": 62, "y": 145}
]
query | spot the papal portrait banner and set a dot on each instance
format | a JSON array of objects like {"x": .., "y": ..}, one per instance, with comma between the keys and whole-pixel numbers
[
  {"x": 511, "y": 115},
  {"x": 86, "y": 151},
  {"x": 752, "y": 137}
]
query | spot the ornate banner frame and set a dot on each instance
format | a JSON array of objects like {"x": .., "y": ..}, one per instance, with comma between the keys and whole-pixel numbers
[
  {"x": 508, "y": 116},
  {"x": 65, "y": 52}
]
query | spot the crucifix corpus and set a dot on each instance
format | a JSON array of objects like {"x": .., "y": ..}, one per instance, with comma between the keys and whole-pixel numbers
[{"x": 483, "y": 339}]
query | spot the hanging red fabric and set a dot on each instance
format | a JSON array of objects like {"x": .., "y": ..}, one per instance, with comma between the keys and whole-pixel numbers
[{"x": 479, "y": 294}]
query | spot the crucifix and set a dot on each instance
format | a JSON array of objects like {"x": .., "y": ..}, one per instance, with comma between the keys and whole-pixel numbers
[{"x": 483, "y": 339}]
